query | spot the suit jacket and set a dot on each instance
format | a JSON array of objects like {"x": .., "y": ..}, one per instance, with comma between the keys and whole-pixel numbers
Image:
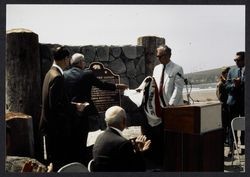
[
  {"x": 235, "y": 94},
  {"x": 112, "y": 152},
  {"x": 221, "y": 92},
  {"x": 57, "y": 115},
  {"x": 79, "y": 83},
  {"x": 172, "y": 84}
]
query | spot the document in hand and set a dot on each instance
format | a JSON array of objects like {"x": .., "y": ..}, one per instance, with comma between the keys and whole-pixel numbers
[{"x": 129, "y": 133}]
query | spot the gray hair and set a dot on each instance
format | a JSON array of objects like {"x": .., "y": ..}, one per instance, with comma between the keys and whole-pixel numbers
[
  {"x": 76, "y": 58},
  {"x": 167, "y": 49},
  {"x": 115, "y": 115}
]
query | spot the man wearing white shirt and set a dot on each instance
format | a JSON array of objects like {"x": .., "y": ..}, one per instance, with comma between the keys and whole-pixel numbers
[{"x": 169, "y": 81}]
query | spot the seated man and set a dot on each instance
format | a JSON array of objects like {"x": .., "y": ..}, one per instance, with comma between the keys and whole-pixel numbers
[{"x": 113, "y": 152}]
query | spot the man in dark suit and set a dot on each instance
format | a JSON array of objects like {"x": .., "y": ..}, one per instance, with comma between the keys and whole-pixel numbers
[
  {"x": 222, "y": 96},
  {"x": 57, "y": 112},
  {"x": 112, "y": 152},
  {"x": 78, "y": 83},
  {"x": 235, "y": 87}
]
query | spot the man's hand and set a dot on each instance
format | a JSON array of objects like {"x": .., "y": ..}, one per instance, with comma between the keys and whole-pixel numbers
[
  {"x": 121, "y": 86},
  {"x": 142, "y": 143},
  {"x": 237, "y": 82},
  {"x": 50, "y": 168},
  {"x": 80, "y": 106}
]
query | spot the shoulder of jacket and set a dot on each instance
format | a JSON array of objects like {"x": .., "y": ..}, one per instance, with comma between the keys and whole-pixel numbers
[
  {"x": 54, "y": 72},
  {"x": 175, "y": 65}
]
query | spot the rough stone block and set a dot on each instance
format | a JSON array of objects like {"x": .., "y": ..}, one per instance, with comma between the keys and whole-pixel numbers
[
  {"x": 16, "y": 163},
  {"x": 140, "y": 67},
  {"x": 102, "y": 53},
  {"x": 115, "y": 51},
  {"x": 21, "y": 138},
  {"x": 89, "y": 53},
  {"x": 111, "y": 58},
  {"x": 129, "y": 51},
  {"x": 140, "y": 78},
  {"x": 131, "y": 71},
  {"x": 117, "y": 66},
  {"x": 133, "y": 84}
]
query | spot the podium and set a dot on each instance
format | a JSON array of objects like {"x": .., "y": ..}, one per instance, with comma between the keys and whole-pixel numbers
[{"x": 193, "y": 138}]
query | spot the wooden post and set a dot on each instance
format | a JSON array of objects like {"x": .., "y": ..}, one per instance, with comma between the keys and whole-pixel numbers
[
  {"x": 150, "y": 44},
  {"x": 23, "y": 75}
]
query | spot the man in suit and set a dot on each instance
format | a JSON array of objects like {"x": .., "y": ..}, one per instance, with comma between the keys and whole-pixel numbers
[
  {"x": 57, "y": 112},
  {"x": 222, "y": 96},
  {"x": 112, "y": 152},
  {"x": 169, "y": 80},
  {"x": 235, "y": 87},
  {"x": 78, "y": 83}
]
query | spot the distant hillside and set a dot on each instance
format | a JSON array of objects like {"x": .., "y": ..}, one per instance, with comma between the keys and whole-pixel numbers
[{"x": 207, "y": 76}]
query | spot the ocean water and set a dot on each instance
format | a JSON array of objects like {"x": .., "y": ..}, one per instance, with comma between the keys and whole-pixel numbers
[
  {"x": 207, "y": 86},
  {"x": 201, "y": 92}
]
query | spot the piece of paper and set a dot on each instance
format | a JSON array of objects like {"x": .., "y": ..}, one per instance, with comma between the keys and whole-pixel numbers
[
  {"x": 92, "y": 136},
  {"x": 129, "y": 133},
  {"x": 132, "y": 132}
]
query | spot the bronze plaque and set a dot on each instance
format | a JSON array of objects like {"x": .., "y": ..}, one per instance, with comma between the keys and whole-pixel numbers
[{"x": 104, "y": 99}]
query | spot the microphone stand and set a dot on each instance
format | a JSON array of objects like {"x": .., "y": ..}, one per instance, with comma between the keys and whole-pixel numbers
[
  {"x": 187, "y": 90},
  {"x": 188, "y": 94}
]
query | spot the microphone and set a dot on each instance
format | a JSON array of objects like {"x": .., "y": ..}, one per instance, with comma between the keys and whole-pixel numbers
[
  {"x": 185, "y": 79},
  {"x": 188, "y": 91}
]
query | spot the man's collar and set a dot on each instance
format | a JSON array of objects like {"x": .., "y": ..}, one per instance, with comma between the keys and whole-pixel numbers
[
  {"x": 116, "y": 129},
  {"x": 60, "y": 69}
]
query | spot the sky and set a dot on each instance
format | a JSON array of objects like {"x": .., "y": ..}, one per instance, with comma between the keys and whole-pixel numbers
[{"x": 201, "y": 37}]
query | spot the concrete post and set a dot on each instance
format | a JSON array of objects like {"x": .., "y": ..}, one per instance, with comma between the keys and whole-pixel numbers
[
  {"x": 23, "y": 75},
  {"x": 150, "y": 44}
]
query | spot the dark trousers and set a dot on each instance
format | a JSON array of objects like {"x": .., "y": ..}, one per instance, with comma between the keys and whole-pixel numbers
[
  {"x": 226, "y": 123},
  {"x": 79, "y": 137},
  {"x": 156, "y": 135}
]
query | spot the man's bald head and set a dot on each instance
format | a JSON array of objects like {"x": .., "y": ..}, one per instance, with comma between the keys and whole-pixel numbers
[{"x": 115, "y": 116}]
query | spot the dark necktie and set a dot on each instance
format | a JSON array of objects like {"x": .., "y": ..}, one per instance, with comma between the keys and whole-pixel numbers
[
  {"x": 161, "y": 86},
  {"x": 239, "y": 73}
]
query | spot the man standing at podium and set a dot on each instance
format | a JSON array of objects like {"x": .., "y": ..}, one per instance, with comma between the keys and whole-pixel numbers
[{"x": 169, "y": 80}]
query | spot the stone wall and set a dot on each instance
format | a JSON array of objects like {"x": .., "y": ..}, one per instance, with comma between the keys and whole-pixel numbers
[
  {"x": 127, "y": 61},
  {"x": 132, "y": 62}
]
